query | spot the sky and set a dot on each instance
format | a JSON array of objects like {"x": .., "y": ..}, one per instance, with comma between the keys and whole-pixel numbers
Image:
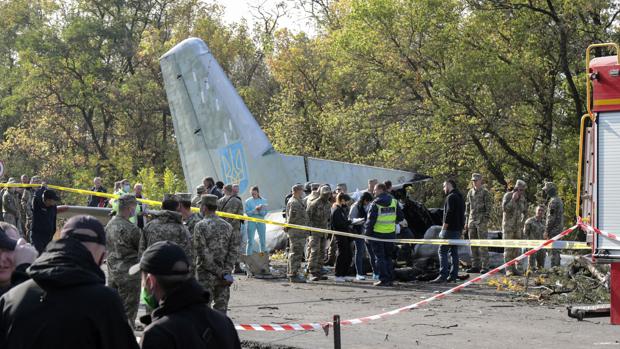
[{"x": 295, "y": 19}]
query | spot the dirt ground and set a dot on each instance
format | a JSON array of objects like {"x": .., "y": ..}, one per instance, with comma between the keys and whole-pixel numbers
[{"x": 478, "y": 317}]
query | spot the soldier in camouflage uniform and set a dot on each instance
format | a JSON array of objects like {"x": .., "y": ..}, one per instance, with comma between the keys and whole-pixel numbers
[
  {"x": 319, "y": 212},
  {"x": 232, "y": 204},
  {"x": 478, "y": 206},
  {"x": 296, "y": 214},
  {"x": 534, "y": 229},
  {"x": 200, "y": 190},
  {"x": 9, "y": 205},
  {"x": 314, "y": 193},
  {"x": 216, "y": 250},
  {"x": 27, "y": 201},
  {"x": 123, "y": 244},
  {"x": 555, "y": 218},
  {"x": 167, "y": 225},
  {"x": 514, "y": 206},
  {"x": 185, "y": 208}
]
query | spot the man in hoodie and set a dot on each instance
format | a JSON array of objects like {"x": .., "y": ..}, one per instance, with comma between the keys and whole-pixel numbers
[
  {"x": 182, "y": 317},
  {"x": 66, "y": 304},
  {"x": 453, "y": 224},
  {"x": 383, "y": 214},
  {"x": 167, "y": 224}
]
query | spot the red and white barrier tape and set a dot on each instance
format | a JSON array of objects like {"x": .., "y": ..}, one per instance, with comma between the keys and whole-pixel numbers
[
  {"x": 316, "y": 326},
  {"x": 598, "y": 231}
]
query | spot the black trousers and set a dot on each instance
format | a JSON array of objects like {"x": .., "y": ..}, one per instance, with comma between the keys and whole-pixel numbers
[{"x": 344, "y": 255}]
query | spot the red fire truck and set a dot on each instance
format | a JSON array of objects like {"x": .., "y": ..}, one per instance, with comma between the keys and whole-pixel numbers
[{"x": 598, "y": 187}]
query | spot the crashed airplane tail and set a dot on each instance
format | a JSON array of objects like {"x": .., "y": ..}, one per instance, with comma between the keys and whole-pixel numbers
[{"x": 218, "y": 136}]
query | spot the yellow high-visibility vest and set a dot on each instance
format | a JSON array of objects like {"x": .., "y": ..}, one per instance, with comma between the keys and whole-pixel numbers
[{"x": 386, "y": 218}]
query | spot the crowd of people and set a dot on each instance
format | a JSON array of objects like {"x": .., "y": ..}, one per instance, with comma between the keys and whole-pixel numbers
[{"x": 180, "y": 263}]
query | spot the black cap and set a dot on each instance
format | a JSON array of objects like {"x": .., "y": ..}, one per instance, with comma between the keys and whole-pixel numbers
[
  {"x": 85, "y": 229},
  {"x": 163, "y": 258},
  {"x": 49, "y": 194},
  {"x": 6, "y": 242}
]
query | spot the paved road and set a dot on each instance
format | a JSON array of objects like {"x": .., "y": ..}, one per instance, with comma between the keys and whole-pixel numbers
[{"x": 479, "y": 317}]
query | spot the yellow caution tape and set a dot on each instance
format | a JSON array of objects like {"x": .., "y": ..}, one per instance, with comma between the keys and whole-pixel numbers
[{"x": 572, "y": 245}]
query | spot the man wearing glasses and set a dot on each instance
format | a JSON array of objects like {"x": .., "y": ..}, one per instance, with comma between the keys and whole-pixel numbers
[{"x": 514, "y": 206}]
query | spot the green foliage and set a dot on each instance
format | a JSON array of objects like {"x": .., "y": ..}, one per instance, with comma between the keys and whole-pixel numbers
[
  {"x": 156, "y": 185},
  {"x": 444, "y": 88}
]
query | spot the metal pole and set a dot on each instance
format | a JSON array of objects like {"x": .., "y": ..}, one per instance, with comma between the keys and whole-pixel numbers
[
  {"x": 337, "y": 332},
  {"x": 614, "y": 286}
]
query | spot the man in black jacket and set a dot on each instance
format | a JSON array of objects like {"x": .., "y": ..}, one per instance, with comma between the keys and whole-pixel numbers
[
  {"x": 182, "y": 318},
  {"x": 44, "y": 211},
  {"x": 66, "y": 304},
  {"x": 453, "y": 223}
]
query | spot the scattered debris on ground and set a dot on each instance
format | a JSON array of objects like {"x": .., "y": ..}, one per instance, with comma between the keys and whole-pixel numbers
[{"x": 580, "y": 283}]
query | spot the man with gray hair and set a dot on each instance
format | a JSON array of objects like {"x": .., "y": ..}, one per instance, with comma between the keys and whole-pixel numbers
[
  {"x": 97, "y": 201},
  {"x": 123, "y": 242},
  {"x": 514, "y": 207}
]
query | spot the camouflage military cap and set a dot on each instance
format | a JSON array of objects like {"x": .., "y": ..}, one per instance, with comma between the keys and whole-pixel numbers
[
  {"x": 127, "y": 199},
  {"x": 297, "y": 187},
  {"x": 170, "y": 197},
  {"x": 476, "y": 176},
  {"x": 208, "y": 199},
  {"x": 315, "y": 186},
  {"x": 200, "y": 189},
  {"x": 325, "y": 190},
  {"x": 520, "y": 184},
  {"x": 228, "y": 187},
  {"x": 548, "y": 186},
  {"x": 184, "y": 197}
]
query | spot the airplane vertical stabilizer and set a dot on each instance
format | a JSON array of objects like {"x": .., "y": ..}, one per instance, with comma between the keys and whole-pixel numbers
[
  {"x": 216, "y": 133},
  {"x": 218, "y": 136}
]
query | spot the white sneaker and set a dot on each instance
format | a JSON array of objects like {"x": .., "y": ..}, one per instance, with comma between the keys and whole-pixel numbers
[
  {"x": 340, "y": 279},
  {"x": 360, "y": 277}
]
